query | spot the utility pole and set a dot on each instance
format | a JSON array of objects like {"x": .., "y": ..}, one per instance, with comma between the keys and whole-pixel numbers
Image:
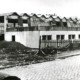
[
  {"x": 57, "y": 48},
  {"x": 39, "y": 38},
  {"x": 39, "y": 43},
  {"x": 5, "y": 24}
]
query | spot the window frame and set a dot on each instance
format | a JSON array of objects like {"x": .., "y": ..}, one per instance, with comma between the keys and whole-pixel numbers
[
  {"x": 72, "y": 36},
  {"x": 49, "y": 36},
  {"x": 43, "y": 37},
  {"x": 60, "y": 37},
  {"x": 58, "y": 23},
  {"x": 46, "y": 37},
  {"x": 79, "y": 36},
  {"x": 65, "y": 24}
]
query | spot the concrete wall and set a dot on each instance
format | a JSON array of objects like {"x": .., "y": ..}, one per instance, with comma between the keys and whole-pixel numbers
[
  {"x": 31, "y": 38},
  {"x": 27, "y": 38},
  {"x": 66, "y": 33}
]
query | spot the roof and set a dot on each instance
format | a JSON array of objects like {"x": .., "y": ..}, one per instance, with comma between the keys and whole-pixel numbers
[
  {"x": 43, "y": 16},
  {"x": 57, "y": 18},
  {"x": 32, "y": 14},
  {"x": 71, "y": 19},
  {"x": 9, "y": 14},
  {"x": 47, "y": 15},
  {"x": 53, "y": 16},
  {"x": 23, "y": 14},
  {"x": 64, "y": 19},
  {"x": 39, "y": 15}
]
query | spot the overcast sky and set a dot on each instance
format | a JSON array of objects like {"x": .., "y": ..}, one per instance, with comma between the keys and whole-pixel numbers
[{"x": 65, "y": 8}]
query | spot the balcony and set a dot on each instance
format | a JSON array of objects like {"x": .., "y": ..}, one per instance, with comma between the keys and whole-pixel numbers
[
  {"x": 44, "y": 28},
  {"x": 22, "y": 29}
]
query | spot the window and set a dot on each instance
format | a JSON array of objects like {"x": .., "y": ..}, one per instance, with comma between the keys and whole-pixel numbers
[
  {"x": 44, "y": 37},
  {"x": 25, "y": 21},
  {"x": 79, "y": 36},
  {"x": 49, "y": 37},
  {"x": 58, "y": 23},
  {"x": 52, "y": 23},
  {"x": 62, "y": 37},
  {"x": 58, "y": 37},
  {"x": 64, "y": 24},
  {"x": 71, "y": 37}
]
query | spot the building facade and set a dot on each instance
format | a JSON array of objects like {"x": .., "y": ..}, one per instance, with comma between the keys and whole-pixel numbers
[{"x": 35, "y": 29}]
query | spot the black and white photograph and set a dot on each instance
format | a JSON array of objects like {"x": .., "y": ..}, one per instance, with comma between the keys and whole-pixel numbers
[{"x": 40, "y": 40}]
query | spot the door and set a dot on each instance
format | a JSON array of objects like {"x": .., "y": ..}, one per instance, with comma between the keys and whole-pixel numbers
[
  {"x": 13, "y": 38},
  {"x": 1, "y": 37}
]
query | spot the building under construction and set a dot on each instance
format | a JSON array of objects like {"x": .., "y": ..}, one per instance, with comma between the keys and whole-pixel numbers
[{"x": 34, "y": 30}]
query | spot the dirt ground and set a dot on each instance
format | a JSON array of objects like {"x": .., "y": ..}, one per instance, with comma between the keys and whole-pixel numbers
[{"x": 60, "y": 69}]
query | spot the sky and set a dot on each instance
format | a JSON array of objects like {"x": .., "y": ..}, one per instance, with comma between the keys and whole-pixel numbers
[{"x": 64, "y": 8}]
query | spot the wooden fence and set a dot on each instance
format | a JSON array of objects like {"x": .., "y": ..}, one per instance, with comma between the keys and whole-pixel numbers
[{"x": 58, "y": 44}]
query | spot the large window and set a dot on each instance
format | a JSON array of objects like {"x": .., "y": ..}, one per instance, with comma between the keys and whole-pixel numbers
[
  {"x": 71, "y": 37},
  {"x": 46, "y": 37},
  {"x": 60, "y": 37}
]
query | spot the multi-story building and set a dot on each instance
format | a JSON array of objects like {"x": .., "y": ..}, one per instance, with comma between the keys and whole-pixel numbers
[{"x": 29, "y": 29}]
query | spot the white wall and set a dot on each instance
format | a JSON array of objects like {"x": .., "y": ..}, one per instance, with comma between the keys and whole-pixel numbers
[
  {"x": 66, "y": 33},
  {"x": 27, "y": 38},
  {"x": 31, "y": 38}
]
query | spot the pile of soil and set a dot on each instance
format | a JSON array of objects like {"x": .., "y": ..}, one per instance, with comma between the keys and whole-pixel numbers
[
  {"x": 13, "y": 53},
  {"x": 12, "y": 46}
]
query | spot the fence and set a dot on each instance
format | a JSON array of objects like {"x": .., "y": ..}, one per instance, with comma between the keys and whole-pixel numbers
[
  {"x": 23, "y": 29},
  {"x": 59, "y": 44},
  {"x": 44, "y": 28}
]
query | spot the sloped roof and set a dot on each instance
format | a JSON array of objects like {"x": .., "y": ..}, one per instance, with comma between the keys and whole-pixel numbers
[
  {"x": 32, "y": 14},
  {"x": 22, "y": 14},
  {"x": 57, "y": 18},
  {"x": 53, "y": 16},
  {"x": 43, "y": 16},
  {"x": 74, "y": 19},
  {"x": 71, "y": 19},
  {"x": 64, "y": 19},
  {"x": 8, "y": 14},
  {"x": 47, "y": 15},
  {"x": 39, "y": 15}
]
